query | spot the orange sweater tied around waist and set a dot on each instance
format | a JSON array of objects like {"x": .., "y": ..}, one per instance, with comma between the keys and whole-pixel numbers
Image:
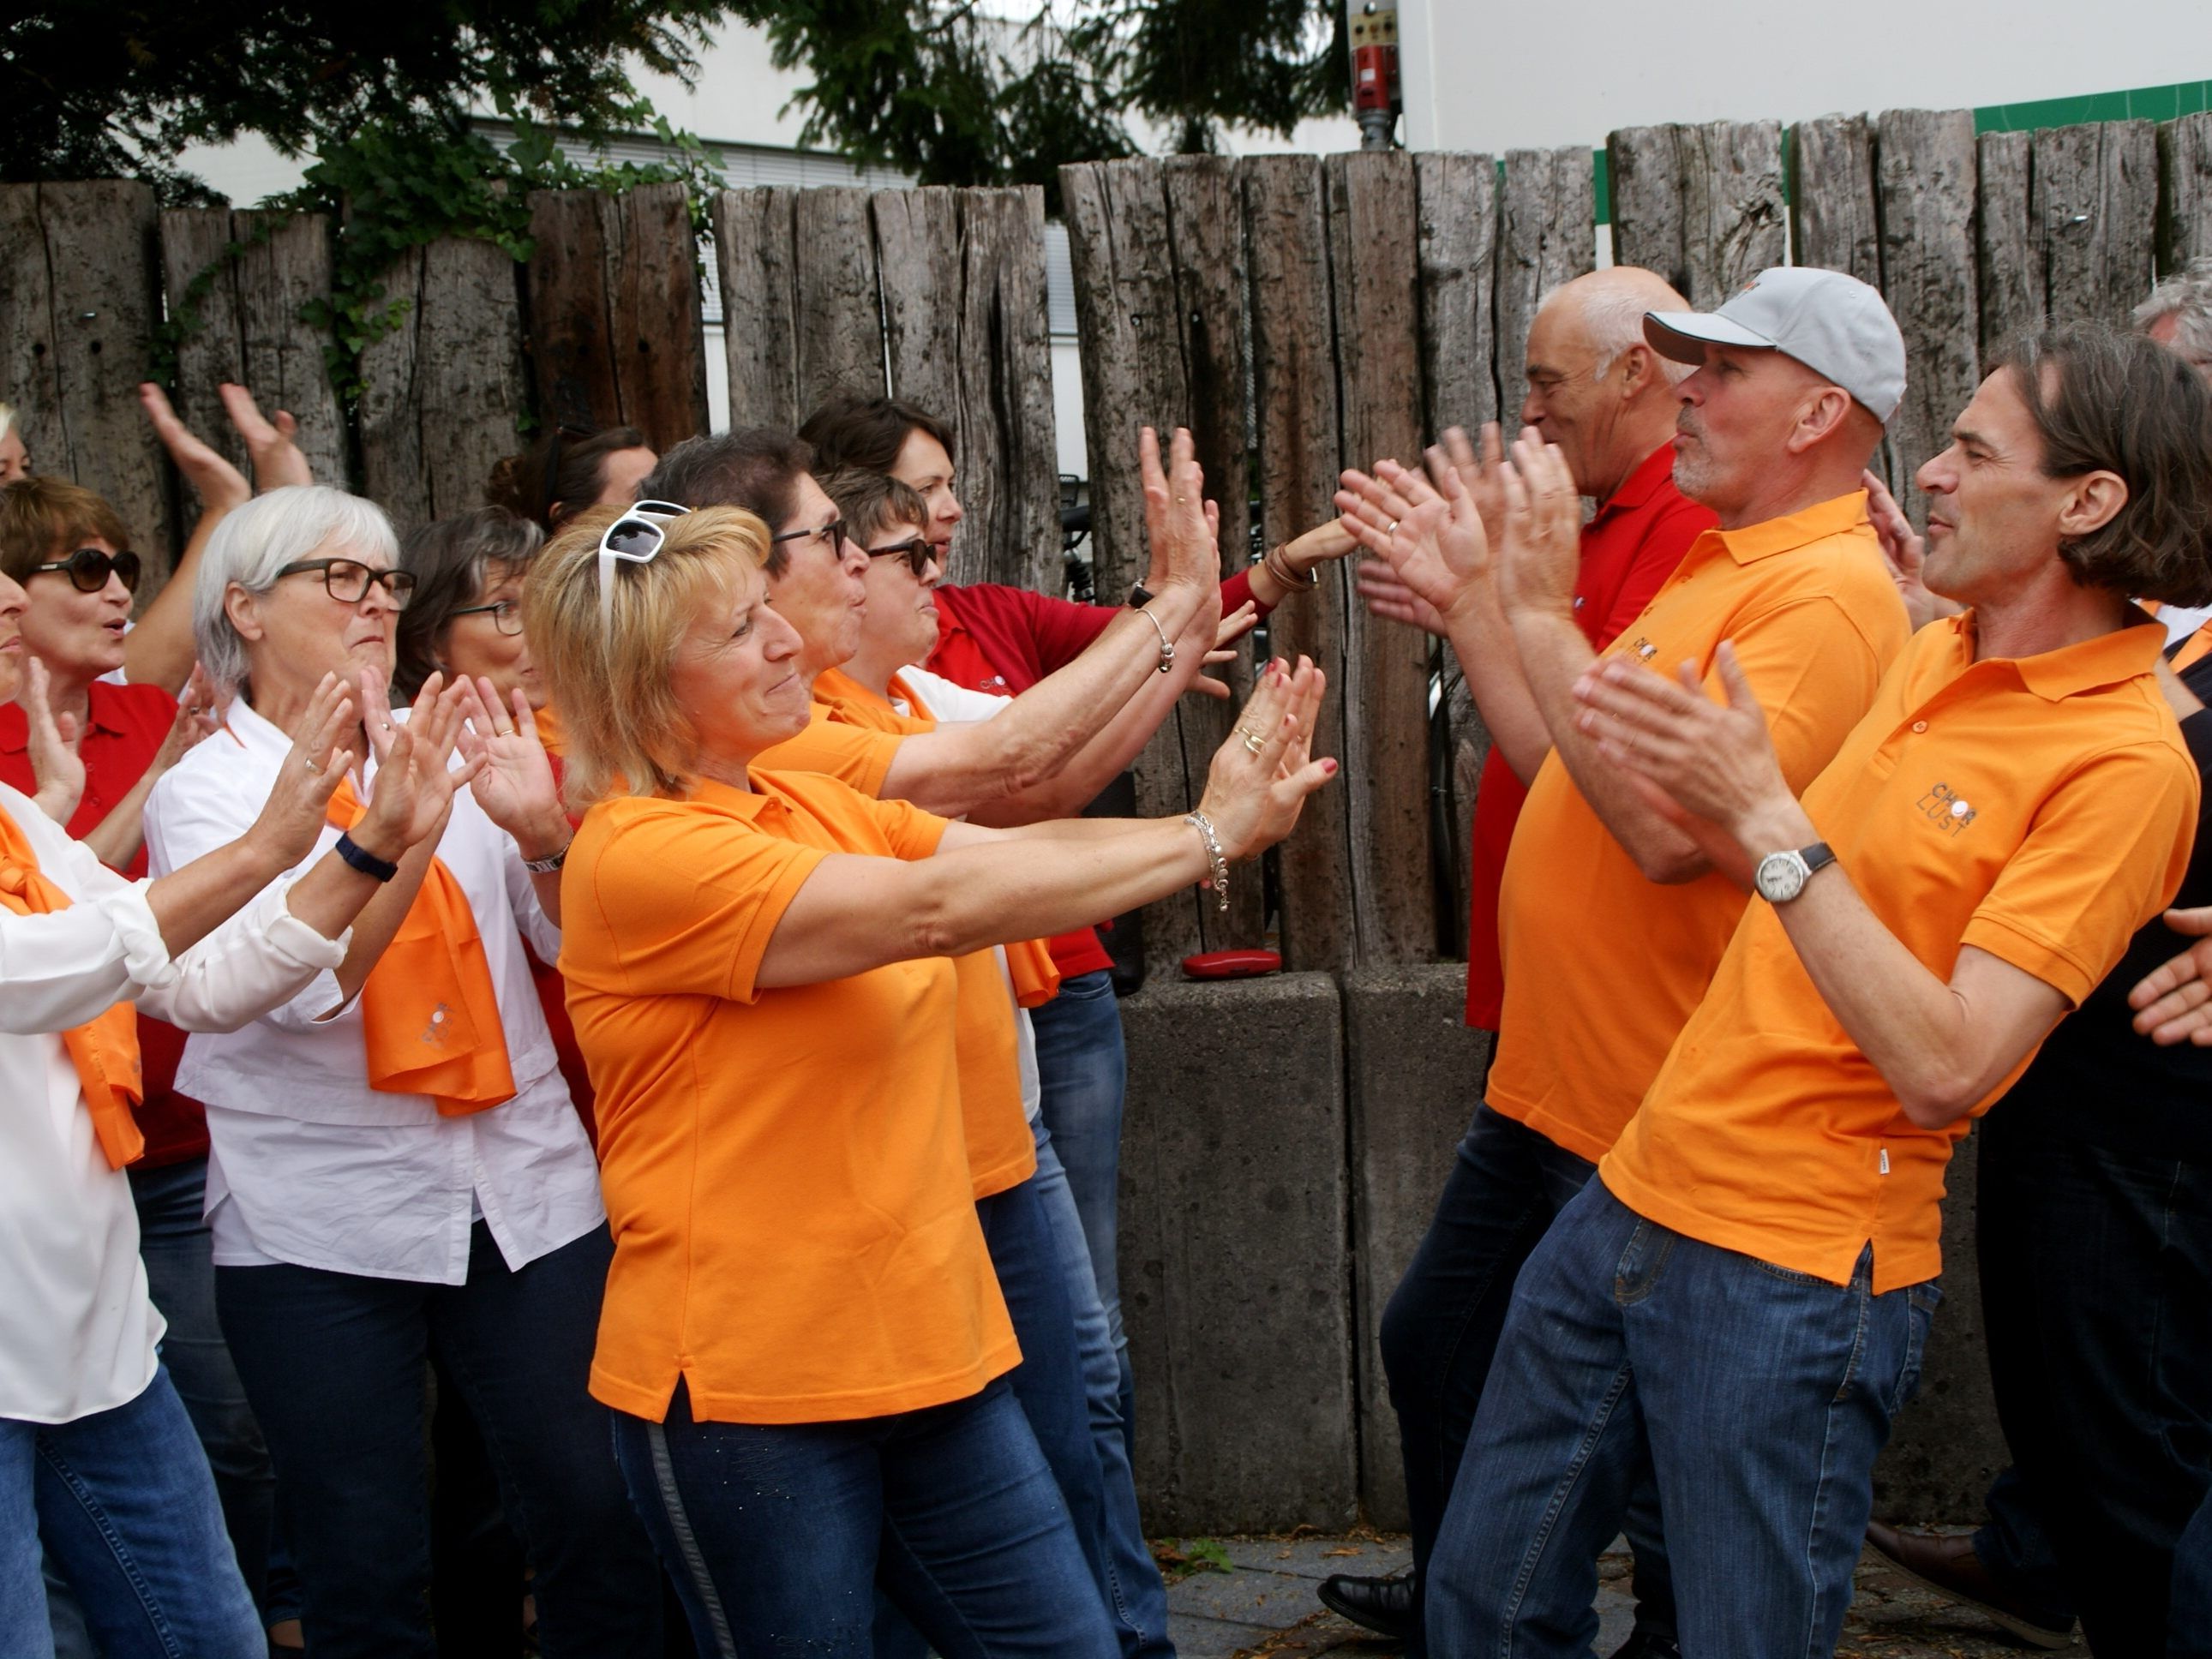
[
  {"x": 429, "y": 1015},
  {"x": 104, "y": 1049}
]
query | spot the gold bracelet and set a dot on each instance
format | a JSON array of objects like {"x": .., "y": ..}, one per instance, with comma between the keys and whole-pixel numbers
[
  {"x": 1167, "y": 646},
  {"x": 1204, "y": 825},
  {"x": 1280, "y": 572}
]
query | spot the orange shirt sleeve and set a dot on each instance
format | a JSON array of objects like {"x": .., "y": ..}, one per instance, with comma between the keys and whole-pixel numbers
[
  {"x": 851, "y": 754},
  {"x": 697, "y": 896},
  {"x": 913, "y": 833},
  {"x": 2105, "y": 855},
  {"x": 1813, "y": 672}
]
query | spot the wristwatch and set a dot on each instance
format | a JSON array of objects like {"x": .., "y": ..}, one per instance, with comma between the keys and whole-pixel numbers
[
  {"x": 1782, "y": 875},
  {"x": 1139, "y": 596}
]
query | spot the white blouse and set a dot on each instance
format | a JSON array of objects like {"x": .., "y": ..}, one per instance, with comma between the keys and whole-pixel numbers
[
  {"x": 76, "y": 1328},
  {"x": 308, "y": 1164},
  {"x": 944, "y": 700}
]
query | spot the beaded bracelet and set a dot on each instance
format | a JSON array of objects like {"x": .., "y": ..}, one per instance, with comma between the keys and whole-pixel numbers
[{"x": 1204, "y": 825}]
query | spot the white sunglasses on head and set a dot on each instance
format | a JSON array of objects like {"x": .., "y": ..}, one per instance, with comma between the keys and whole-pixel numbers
[{"x": 634, "y": 538}]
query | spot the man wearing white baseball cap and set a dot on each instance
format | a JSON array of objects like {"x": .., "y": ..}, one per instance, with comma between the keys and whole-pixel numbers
[{"x": 1793, "y": 378}]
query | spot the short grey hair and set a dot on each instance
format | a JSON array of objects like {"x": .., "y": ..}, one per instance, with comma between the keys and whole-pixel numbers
[
  {"x": 254, "y": 541},
  {"x": 2185, "y": 296},
  {"x": 1614, "y": 324}
]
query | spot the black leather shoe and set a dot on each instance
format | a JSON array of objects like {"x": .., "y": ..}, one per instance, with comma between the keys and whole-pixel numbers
[
  {"x": 1384, "y": 1606},
  {"x": 1643, "y": 1644}
]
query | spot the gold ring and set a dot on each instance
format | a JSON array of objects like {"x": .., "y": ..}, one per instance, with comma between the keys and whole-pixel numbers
[
  {"x": 313, "y": 771},
  {"x": 1254, "y": 742}
]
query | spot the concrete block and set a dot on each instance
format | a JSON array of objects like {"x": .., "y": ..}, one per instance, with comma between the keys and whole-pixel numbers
[
  {"x": 1415, "y": 1071},
  {"x": 1945, "y": 1446},
  {"x": 1235, "y": 1264}
]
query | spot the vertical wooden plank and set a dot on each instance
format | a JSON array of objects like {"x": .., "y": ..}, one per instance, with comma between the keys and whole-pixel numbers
[
  {"x": 759, "y": 329},
  {"x": 1926, "y": 171},
  {"x": 1644, "y": 165},
  {"x": 572, "y": 332},
  {"x": 2185, "y": 196},
  {"x": 81, "y": 290},
  {"x": 2093, "y": 198},
  {"x": 919, "y": 262},
  {"x": 1125, "y": 308},
  {"x": 1386, "y": 766},
  {"x": 1295, "y": 386},
  {"x": 440, "y": 392},
  {"x": 200, "y": 284},
  {"x": 1006, "y": 365},
  {"x": 1205, "y": 221},
  {"x": 1547, "y": 235},
  {"x": 839, "y": 312},
  {"x": 2008, "y": 259},
  {"x": 1832, "y": 218},
  {"x": 656, "y": 311},
  {"x": 1457, "y": 247},
  {"x": 283, "y": 263},
  {"x": 1733, "y": 212}
]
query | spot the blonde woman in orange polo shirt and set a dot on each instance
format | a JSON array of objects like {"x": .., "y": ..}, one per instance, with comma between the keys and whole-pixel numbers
[{"x": 802, "y": 1339}]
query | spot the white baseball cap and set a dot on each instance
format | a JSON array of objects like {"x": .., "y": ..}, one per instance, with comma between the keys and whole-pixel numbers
[{"x": 1833, "y": 324}]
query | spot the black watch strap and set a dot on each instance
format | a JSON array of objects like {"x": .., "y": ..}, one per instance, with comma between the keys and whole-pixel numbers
[
  {"x": 364, "y": 860},
  {"x": 1139, "y": 596},
  {"x": 1818, "y": 856}
]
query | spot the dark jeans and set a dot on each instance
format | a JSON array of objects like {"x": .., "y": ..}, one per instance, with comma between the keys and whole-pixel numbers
[
  {"x": 174, "y": 1242},
  {"x": 2096, "y": 1270},
  {"x": 1082, "y": 1071},
  {"x": 1760, "y": 1396},
  {"x": 1440, "y": 1331},
  {"x": 123, "y": 1502},
  {"x": 334, "y": 1365},
  {"x": 778, "y": 1534}
]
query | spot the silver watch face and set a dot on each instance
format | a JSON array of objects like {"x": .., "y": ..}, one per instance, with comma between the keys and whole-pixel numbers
[{"x": 1780, "y": 876}]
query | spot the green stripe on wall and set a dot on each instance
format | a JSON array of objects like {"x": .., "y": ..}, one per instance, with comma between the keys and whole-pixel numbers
[{"x": 2140, "y": 104}]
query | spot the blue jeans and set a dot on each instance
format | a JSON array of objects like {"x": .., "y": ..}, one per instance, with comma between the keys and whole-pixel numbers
[
  {"x": 335, "y": 1363},
  {"x": 1760, "y": 1397},
  {"x": 1439, "y": 1333},
  {"x": 178, "y": 1249},
  {"x": 2096, "y": 1271},
  {"x": 1084, "y": 1073},
  {"x": 2192, "y": 1613},
  {"x": 1065, "y": 1386},
  {"x": 125, "y": 1504},
  {"x": 778, "y": 1534}
]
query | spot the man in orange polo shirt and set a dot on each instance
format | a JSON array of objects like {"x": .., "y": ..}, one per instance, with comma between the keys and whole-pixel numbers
[
  {"x": 1599, "y": 391},
  {"x": 1611, "y": 919},
  {"x": 1740, "y": 1302}
]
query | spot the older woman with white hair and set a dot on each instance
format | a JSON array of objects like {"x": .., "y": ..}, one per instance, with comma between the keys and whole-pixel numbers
[
  {"x": 396, "y": 1171},
  {"x": 98, "y": 1460}
]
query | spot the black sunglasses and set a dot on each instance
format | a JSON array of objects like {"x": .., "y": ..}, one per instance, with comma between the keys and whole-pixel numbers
[
  {"x": 88, "y": 569},
  {"x": 918, "y": 551},
  {"x": 835, "y": 530},
  {"x": 347, "y": 581}
]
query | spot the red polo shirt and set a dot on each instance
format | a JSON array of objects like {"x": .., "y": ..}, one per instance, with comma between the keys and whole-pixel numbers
[
  {"x": 126, "y": 726},
  {"x": 1629, "y": 549},
  {"x": 1004, "y": 640}
]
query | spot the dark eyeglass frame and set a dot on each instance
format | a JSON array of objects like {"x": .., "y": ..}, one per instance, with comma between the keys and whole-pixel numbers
[
  {"x": 835, "y": 530},
  {"x": 92, "y": 562},
  {"x": 918, "y": 550},
  {"x": 399, "y": 585},
  {"x": 501, "y": 612}
]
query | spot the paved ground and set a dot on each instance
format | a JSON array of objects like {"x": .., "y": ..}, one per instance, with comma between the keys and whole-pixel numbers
[{"x": 1265, "y": 1605}]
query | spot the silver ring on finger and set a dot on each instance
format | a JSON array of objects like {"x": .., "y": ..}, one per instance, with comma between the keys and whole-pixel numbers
[
  {"x": 313, "y": 771},
  {"x": 1393, "y": 527}
]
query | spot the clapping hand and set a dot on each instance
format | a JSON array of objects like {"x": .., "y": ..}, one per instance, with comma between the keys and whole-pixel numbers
[
  {"x": 513, "y": 781},
  {"x": 2173, "y": 1002},
  {"x": 1233, "y": 626},
  {"x": 1260, "y": 777},
  {"x": 1903, "y": 551},
  {"x": 1430, "y": 534},
  {"x": 273, "y": 445},
  {"x": 293, "y": 817},
  {"x": 1180, "y": 525},
  {"x": 196, "y": 719},
  {"x": 1540, "y": 547},
  {"x": 414, "y": 778},
  {"x": 50, "y": 744}
]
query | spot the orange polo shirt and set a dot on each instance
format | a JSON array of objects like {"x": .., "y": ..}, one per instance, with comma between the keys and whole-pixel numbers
[
  {"x": 2041, "y": 809},
  {"x": 1001, "y": 1147},
  {"x": 1602, "y": 966},
  {"x": 853, "y": 755},
  {"x": 795, "y": 1234}
]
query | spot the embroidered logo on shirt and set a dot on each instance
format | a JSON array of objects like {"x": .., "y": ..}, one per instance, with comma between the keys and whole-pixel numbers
[
  {"x": 1644, "y": 649},
  {"x": 435, "y": 1033},
  {"x": 1946, "y": 809}
]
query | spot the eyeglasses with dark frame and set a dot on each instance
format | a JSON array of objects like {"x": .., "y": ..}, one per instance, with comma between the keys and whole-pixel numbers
[
  {"x": 89, "y": 568},
  {"x": 835, "y": 530},
  {"x": 505, "y": 615},
  {"x": 347, "y": 581},
  {"x": 919, "y": 551}
]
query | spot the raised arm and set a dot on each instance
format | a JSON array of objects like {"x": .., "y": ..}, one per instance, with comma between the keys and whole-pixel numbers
[{"x": 986, "y": 887}]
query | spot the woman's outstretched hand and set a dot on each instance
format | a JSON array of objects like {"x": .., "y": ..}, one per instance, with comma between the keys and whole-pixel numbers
[
  {"x": 1260, "y": 777},
  {"x": 514, "y": 783},
  {"x": 415, "y": 779}
]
